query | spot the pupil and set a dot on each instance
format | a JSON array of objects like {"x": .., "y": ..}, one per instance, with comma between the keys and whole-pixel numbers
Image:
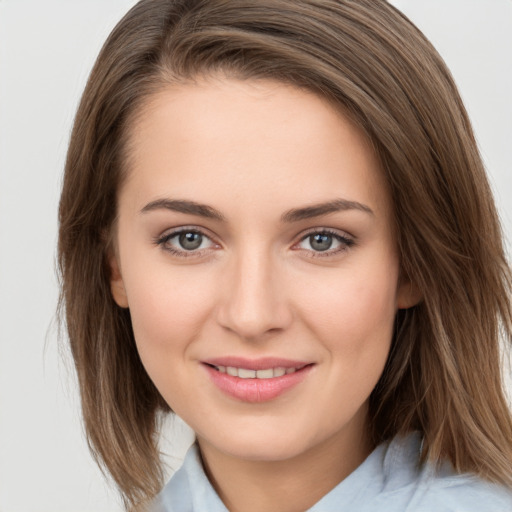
[
  {"x": 190, "y": 241},
  {"x": 321, "y": 242}
]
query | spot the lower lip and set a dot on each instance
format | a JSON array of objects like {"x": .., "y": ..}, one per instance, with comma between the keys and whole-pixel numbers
[{"x": 256, "y": 390}]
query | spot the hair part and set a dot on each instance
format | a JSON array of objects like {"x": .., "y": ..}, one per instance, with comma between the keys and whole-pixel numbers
[{"x": 443, "y": 375}]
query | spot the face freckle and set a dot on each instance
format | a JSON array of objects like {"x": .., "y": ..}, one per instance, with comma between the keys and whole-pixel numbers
[{"x": 229, "y": 184}]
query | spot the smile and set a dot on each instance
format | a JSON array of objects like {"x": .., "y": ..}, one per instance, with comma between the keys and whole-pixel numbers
[
  {"x": 245, "y": 373},
  {"x": 256, "y": 381}
]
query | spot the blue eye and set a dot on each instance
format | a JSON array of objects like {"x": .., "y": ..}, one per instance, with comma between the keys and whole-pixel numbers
[
  {"x": 190, "y": 241},
  {"x": 185, "y": 242},
  {"x": 325, "y": 242},
  {"x": 321, "y": 241}
]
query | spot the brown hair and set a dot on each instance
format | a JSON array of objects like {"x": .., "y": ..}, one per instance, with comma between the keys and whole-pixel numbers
[{"x": 443, "y": 374}]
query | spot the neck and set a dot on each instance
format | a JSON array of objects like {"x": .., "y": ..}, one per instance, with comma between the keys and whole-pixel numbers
[{"x": 291, "y": 485}]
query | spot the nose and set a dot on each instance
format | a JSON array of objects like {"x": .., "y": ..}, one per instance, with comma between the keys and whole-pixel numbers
[{"x": 254, "y": 301}]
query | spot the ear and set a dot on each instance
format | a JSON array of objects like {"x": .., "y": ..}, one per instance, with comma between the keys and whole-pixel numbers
[
  {"x": 116, "y": 282},
  {"x": 408, "y": 294}
]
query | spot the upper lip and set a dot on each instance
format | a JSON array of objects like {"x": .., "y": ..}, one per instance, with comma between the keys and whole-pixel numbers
[{"x": 256, "y": 364}]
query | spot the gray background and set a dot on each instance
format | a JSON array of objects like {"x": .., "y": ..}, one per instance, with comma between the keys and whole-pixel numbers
[{"x": 46, "y": 51}]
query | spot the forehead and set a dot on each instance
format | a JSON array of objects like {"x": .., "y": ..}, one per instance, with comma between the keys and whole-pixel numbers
[{"x": 223, "y": 139}]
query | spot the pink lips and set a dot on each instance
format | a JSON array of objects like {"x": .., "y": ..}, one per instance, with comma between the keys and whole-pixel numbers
[{"x": 253, "y": 389}]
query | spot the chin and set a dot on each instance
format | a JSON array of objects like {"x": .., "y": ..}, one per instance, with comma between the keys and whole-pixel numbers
[{"x": 264, "y": 445}]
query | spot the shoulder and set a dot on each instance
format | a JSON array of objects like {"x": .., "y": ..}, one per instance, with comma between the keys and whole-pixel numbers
[
  {"x": 426, "y": 489},
  {"x": 463, "y": 493}
]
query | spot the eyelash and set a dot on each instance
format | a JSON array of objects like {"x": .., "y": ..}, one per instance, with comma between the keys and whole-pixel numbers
[
  {"x": 345, "y": 242},
  {"x": 164, "y": 240}
]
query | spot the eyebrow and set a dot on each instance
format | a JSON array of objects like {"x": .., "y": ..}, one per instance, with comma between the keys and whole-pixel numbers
[
  {"x": 293, "y": 215},
  {"x": 183, "y": 206},
  {"x": 316, "y": 210}
]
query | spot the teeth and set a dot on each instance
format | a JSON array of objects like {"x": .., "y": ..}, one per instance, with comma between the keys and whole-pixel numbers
[
  {"x": 264, "y": 374},
  {"x": 245, "y": 373},
  {"x": 231, "y": 370}
]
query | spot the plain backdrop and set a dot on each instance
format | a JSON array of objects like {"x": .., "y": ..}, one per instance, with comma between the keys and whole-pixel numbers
[{"x": 46, "y": 51}]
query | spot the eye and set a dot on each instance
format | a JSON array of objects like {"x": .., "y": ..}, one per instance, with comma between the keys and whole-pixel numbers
[
  {"x": 320, "y": 241},
  {"x": 190, "y": 241},
  {"x": 185, "y": 242},
  {"x": 326, "y": 242}
]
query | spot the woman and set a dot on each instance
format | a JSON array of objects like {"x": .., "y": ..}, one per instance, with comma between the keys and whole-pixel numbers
[{"x": 275, "y": 223}]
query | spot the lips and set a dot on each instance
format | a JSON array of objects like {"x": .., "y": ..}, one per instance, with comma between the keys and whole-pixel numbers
[{"x": 258, "y": 380}]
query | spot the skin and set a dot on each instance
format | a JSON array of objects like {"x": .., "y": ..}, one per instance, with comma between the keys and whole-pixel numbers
[{"x": 256, "y": 287}]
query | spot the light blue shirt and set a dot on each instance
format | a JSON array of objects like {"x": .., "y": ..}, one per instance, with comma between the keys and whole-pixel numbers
[{"x": 389, "y": 480}]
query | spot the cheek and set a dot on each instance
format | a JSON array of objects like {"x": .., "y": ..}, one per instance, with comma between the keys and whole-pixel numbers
[
  {"x": 168, "y": 314},
  {"x": 353, "y": 317},
  {"x": 353, "y": 303},
  {"x": 168, "y": 308}
]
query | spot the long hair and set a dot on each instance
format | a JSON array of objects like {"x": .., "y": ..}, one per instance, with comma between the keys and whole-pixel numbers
[{"x": 443, "y": 375}]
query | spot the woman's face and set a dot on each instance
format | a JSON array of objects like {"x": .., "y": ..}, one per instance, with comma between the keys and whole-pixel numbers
[{"x": 256, "y": 254}]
